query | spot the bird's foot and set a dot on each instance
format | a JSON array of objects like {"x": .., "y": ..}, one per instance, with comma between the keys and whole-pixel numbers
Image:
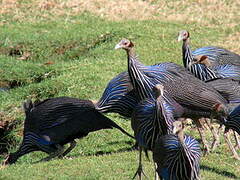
[
  {"x": 135, "y": 146},
  {"x": 139, "y": 172},
  {"x": 215, "y": 144},
  {"x": 236, "y": 156},
  {"x": 206, "y": 150},
  {"x": 237, "y": 146},
  {"x": 5, "y": 162}
]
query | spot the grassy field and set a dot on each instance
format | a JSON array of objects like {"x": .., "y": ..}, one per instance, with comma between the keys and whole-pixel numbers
[{"x": 66, "y": 48}]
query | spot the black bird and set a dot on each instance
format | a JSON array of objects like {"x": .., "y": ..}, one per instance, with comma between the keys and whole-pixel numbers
[
  {"x": 52, "y": 123},
  {"x": 177, "y": 155}
]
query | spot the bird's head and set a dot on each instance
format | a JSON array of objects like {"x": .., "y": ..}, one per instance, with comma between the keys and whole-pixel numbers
[
  {"x": 220, "y": 112},
  {"x": 201, "y": 60},
  {"x": 124, "y": 44},
  {"x": 183, "y": 35},
  {"x": 177, "y": 127}
]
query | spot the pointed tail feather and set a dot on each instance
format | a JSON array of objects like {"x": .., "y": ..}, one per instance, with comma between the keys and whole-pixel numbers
[{"x": 121, "y": 129}]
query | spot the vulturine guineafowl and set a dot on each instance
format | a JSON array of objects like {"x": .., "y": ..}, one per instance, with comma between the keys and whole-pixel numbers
[
  {"x": 152, "y": 118},
  {"x": 178, "y": 82},
  {"x": 229, "y": 89},
  {"x": 216, "y": 55},
  {"x": 212, "y": 62},
  {"x": 52, "y": 123},
  {"x": 177, "y": 155},
  {"x": 199, "y": 99},
  {"x": 225, "y": 71},
  {"x": 118, "y": 97},
  {"x": 218, "y": 67}
]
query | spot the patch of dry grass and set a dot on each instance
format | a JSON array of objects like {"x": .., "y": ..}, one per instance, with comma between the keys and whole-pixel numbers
[
  {"x": 231, "y": 42},
  {"x": 204, "y": 12},
  {"x": 113, "y": 10},
  {"x": 212, "y": 13},
  {"x": 223, "y": 14}
]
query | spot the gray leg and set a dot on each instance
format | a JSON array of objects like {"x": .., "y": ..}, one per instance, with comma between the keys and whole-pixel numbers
[
  {"x": 139, "y": 171},
  {"x": 216, "y": 139},
  {"x": 227, "y": 139},
  {"x": 156, "y": 174},
  {"x": 220, "y": 129},
  {"x": 202, "y": 135},
  {"x": 72, "y": 145},
  {"x": 205, "y": 122},
  {"x": 237, "y": 146}
]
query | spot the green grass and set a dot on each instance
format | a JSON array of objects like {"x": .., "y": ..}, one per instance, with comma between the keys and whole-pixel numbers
[{"x": 84, "y": 60}]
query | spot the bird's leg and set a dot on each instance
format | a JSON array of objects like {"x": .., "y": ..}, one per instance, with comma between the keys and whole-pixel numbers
[
  {"x": 72, "y": 145},
  {"x": 204, "y": 123},
  {"x": 58, "y": 152},
  {"x": 220, "y": 129},
  {"x": 227, "y": 139},
  {"x": 237, "y": 146},
  {"x": 156, "y": 174},
  {"x": 216, "y": 139},
  {"x": 202, "y": 135},
  {"x": 135, "y": 146},
  {"x": 139, "y": 171}
]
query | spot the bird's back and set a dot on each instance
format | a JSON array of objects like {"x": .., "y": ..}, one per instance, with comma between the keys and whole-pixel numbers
[
  {"x": 188, "y": 90},
  {"x": 118, "y": 96},
  {"x": 65, "y": 118},
  {"x": 218, "y": 55},
  {"x": 153, "y": 118},
  {"x": 229, "y": 89}
]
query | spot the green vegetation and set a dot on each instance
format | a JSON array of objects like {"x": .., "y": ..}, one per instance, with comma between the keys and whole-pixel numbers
[{"x": 73, "y": 55}]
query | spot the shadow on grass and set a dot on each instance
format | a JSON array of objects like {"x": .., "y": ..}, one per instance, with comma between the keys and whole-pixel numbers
[
  {"x": 217, "y": 171},
  {"x": 101, "y": 153},
  {"x": 120, "y": 142},
  {"x": 126, "y": 149}
]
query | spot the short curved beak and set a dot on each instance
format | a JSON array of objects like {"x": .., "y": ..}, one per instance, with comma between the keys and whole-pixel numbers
[
  {"x": 179, "y": 38},
  {"x": 118, "y": 46}
]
